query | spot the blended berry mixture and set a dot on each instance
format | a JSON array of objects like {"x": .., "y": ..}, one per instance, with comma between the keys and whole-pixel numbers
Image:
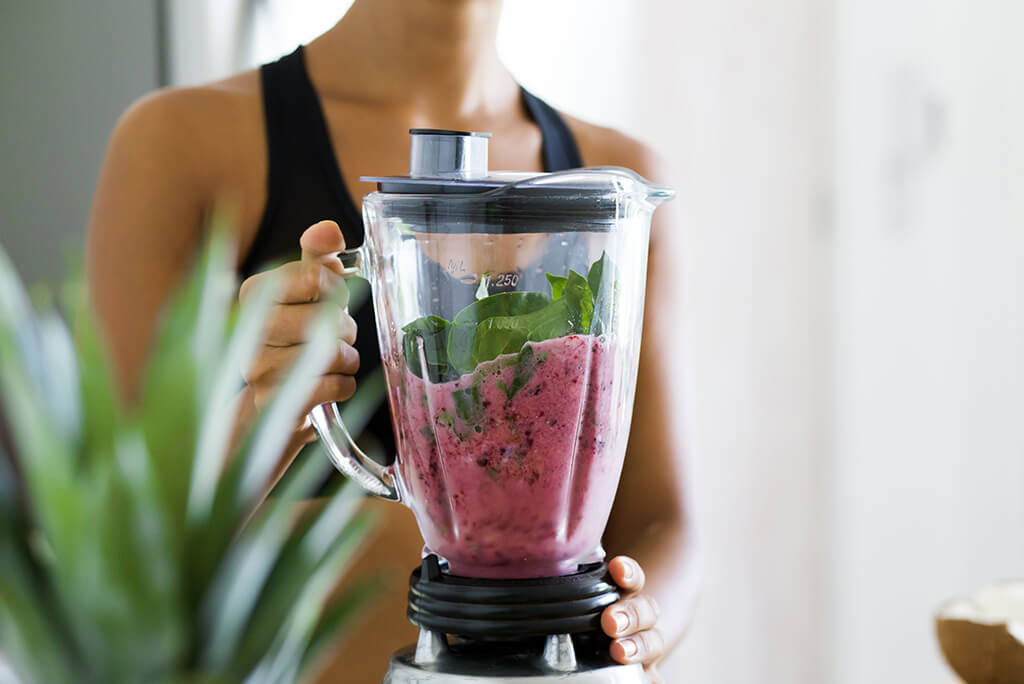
[{"x": 511, "y": 469}]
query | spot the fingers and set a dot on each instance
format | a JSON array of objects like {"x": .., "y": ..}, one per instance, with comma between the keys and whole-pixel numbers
[
  {"x": 627, "y": 573},
  {"x": 316, "y": 277},
  {"x": 288, "y": 324},
  {"x": 302, "y": 282},
  {"x": 334, "y": 387},
  {"x": 321, "y": 243},
  {"x": 629, "y": 616},
  {"x": 274, "y": 362},
  {"x": 643, "y": 647},
  {"x": 631, "y": 621}
]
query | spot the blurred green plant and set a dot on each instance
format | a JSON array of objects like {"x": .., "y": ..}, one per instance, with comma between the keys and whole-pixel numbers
[{"x": 134, "y": 547}]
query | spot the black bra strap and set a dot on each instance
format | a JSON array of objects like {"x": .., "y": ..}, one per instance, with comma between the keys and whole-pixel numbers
[{"x": 560, "y": 150}]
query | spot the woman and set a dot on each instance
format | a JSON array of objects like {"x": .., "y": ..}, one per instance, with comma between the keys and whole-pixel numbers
[{"x": 271, "y": 141}]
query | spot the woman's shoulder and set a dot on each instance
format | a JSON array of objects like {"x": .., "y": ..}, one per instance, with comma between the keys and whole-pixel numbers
[
  {"x": 195, "y": 113},
  {"x": 204, "y": 139},
  {"x": 602, "y": 146}
]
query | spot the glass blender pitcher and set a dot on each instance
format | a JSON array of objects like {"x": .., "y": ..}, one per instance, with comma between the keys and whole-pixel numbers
[{"x": 509, "y": 308}]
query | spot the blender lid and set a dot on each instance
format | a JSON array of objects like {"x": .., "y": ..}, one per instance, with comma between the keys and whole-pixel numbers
[
  {"x": 445, "y": 161},
  {"x": 449, "y": 182}
]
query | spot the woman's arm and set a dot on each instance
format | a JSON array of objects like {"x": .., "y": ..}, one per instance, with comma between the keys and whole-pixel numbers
[
  {"x": 653, "y": 517},
  {"x": 145, "y": 226},
  {"x": 652, "y": 520},
  {"x": 171, "y": 158}
]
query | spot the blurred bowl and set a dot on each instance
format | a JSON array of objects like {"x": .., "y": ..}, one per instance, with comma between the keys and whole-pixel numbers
[{"x": 982, "y": 636}]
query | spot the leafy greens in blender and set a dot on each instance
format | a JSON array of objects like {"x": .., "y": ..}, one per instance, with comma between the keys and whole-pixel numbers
[{"x": 503, "y": 323}]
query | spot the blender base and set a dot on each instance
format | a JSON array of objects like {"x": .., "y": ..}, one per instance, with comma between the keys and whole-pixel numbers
[
  {"x": 536, "y": 631},
  {"x": 511, "y": 664},
  {"x": 512, "y": 608}
]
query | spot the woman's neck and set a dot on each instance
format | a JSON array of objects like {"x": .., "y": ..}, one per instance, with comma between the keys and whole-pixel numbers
[{"x": 431, "y": 57}]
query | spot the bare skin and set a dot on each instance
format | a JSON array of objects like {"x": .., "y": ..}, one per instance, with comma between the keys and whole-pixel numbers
[{"x": 388, "y": 66}]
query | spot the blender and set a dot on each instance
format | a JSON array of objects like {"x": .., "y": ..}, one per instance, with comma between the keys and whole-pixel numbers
[{"x": 509, "y": 308}]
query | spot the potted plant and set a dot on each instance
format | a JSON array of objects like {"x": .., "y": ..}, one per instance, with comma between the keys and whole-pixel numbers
[{"x": 137, "y": 543}]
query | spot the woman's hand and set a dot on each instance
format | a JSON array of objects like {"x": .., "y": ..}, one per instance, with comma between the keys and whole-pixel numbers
[
  {"x": 631, "y": 622},
  {"x": 306, "y": 282}
]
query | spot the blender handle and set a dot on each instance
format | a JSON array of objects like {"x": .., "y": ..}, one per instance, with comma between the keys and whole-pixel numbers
[
  {"x": 347, "y": 457},
  {"x": 343, "y": 451}
]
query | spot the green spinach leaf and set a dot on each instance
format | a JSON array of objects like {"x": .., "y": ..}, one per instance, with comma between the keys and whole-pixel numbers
[
  {"x": 499, "y": 335},
  {"x": 557, "y": 285},
  {"x": 433, "y": 331},
  {"x": 557, "y": 320},
  {"x": 580, "y": 301},
  {"x": 468, "y": 404},
  {"x": 474, "y": 336},
  {"x": 602, "y": 280},
  {"x": 595, "y": 274},
  {"x": 526, "y": 366},
  {"x": 503, "y": 323},
  {"x": 507, "y": 334}
]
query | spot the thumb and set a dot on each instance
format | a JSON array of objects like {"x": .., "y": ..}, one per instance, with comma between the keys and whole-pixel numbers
[{"x": 321, "y": 243}]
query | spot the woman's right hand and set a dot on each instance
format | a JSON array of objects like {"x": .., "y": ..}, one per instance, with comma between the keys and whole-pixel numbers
[{"x": 307, "y": 282}]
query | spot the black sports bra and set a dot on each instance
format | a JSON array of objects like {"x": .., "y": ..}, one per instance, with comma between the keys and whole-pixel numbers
[{"x": 305, "y": 186}]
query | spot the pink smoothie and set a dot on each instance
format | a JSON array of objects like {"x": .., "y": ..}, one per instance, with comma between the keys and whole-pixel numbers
[{"x": 513, "y": 487}]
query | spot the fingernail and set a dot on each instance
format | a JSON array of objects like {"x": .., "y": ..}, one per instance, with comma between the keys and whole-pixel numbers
[
  {"x": 628, "y": 570},
  {"x": 629, "y": 647},
  {"x": 621, "y": 621}
]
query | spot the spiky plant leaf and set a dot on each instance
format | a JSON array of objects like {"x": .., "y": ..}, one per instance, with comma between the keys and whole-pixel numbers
[
  {"x": 302, "y": 554},
  {"x": 30, "y": 629},
  {"x": 19, "y": 323},
  {"x": 243, "y": 480},
  {"x": 60, "y": 380},
  {"x": 97, "y": 389},
  {"x": 30, "y": 642},
  {"x": 337, "y": 618},
  {"x": 284, "y": 661},
  {"x": 187, "y": 344},
  {"x": 138, "y": 590},
  {"x": 273, "y": 432},
  {"x": 126, "y": 544},
  {"x": 230, "y": 604},
  {"x": 214, "y": 436}
]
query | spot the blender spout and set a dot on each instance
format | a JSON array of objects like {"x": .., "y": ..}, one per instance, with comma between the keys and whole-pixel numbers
[
  {"x": 658, "y": 194},
  {"x": 652, "y": 193},
  {"x": 628, "y": 182}
]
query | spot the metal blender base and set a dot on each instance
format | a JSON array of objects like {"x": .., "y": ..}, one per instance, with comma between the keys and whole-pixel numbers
[{"x": 431, "y": 662}]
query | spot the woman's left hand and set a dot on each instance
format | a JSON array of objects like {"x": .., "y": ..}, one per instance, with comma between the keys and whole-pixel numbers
[{"x": 632, "y": 622}]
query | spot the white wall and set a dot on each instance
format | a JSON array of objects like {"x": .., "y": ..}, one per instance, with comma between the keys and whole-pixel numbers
[
  {"x": 204, "y": 39},
  {"x": 214, "y": 39},
  {"x": 67, "y": 70},
  {"x": 929, "y": 440},
  {"x": 733, "y": 98}
]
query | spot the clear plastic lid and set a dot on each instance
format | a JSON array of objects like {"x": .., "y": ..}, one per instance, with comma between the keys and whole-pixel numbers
[{"x": 449, "y": 185}]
